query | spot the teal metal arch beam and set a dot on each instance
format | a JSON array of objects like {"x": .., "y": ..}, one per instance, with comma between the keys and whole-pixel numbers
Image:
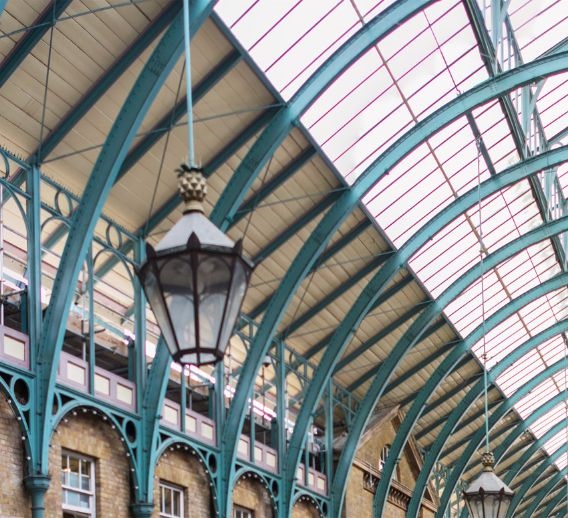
[
  {"x": 245, "y": 175},
  {"x": 157, "y": 131},
  {"x": 2, "y": 6},
  {"x": 274, "y": 183},
  {"x": 545, "y": 491},
  {"x": 374, "y": 288},
  {"x": 364, "y": 39},
  {"x": 461, "y": 348},
  {"x": 464, "y": 440},
  {"x": 554, "y": 503},
  {"x": 534, "y": 477},
  {"x": 456, "y": 415},
  {"x": 537, "y": 445},
  {"x": 334, "y": 294},
  {"x": 326, "y": 256},
  {"x": 40, "y": 26},
  {"x": 349, "y": 200},
  {"x": 346, "y": 203},
  {"x": 515, "y": 450},
  {"x": 329, "y": 224},
  {"x": 395, "y": 383},
  {"x": 153, "y": 399},
  {"x": 441, "y": 420},
  {"x": 100, "y": 182},
  {"x": 474, "y": 444},
  {"x": 296, "y": 226},
  {"x": 386, "y": 295}
]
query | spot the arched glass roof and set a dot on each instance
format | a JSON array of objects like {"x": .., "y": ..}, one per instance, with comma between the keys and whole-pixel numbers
[
  {"x": 414, "y": 71},
  {"x": 395, "y": 195}
]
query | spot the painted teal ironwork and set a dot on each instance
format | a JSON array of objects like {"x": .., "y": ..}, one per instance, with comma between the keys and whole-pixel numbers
[
  {"x": 554, "y": 502},
  {"x": 153, "y": 75},
  {"x": 233, "y": 195},
  {"x": 519, "y": 464},
  {"x": 479, "y": 436},
  {"x": 22, "y": 49},
  {"x": 376, "y": 285},
  {"x": 415, "y": 332},
  {"x": 456, "y": 415},
  {"x": 545, "y": 491},
  {"x": 534, "y": 478}
]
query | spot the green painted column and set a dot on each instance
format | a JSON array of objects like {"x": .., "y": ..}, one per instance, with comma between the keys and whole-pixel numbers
[
  {"x": 37, "y": 486},
  {"x": 142, "y": 509}
]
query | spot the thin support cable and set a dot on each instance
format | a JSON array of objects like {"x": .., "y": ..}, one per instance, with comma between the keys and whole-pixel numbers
[
  {"x": 189, "y": 95},
  {"x": 162, "y": 159},
  {"x": 46, "y": 89},
  {"x": 482, "y": 268}
]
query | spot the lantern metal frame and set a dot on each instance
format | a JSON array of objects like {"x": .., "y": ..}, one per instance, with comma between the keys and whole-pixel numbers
[{"x": 189, "y": 253}]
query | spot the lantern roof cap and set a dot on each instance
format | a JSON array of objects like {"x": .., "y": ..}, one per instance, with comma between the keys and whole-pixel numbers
[
  {"x": 488, "y": 481},
  {"x": 193, "y": 189},
  {"x": 194, "y": 222}
]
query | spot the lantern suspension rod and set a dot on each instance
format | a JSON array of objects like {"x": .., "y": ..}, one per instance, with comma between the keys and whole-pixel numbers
[
  {"x": 481, "y": 266},
  {"x": 189, "y": 96}
]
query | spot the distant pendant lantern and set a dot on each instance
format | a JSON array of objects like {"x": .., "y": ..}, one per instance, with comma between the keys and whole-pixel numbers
[
  {"x": 195, "y": 280},
  {"x": 488, "y": 496}
]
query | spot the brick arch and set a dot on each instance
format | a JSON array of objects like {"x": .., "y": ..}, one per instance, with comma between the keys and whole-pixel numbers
[
  {"x": 305, "y": 507},
  {"x": 250, "y": 492},
  {"x": 85, "y": 433},
  {"x": 179, "y": 467}
]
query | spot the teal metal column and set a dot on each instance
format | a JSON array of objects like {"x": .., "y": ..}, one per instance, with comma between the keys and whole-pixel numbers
[
  {"x": 34, "y": 310},
  {"x": 152, "y": 77},
  {"x": 150, "y": 414},
  {"x": 37, "y": 486},
  {"x": 2, "y": 5},
  {"x": 142, "y": 510}
]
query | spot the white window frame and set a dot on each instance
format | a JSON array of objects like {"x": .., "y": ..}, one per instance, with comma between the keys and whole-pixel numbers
[
  {"x": 79, "y": 512},
  {"x": 176, "y": 490},
  {"x": 242, "y": 512},
  {"x": 384, "y": 456}
]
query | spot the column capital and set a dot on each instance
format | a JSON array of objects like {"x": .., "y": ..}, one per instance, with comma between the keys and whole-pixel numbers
[{"x": 142, "y": 509}]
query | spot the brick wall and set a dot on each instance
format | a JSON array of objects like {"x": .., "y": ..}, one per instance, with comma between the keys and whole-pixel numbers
[
  {"x": 251, "y": 494},
  {"x": 182, "y": 469},
  {"x": 358, "y": 500},
  {"x": 14, "y": 501},
  {"x": 89, "y": 435},
  {"x": 305, "y": 510}
]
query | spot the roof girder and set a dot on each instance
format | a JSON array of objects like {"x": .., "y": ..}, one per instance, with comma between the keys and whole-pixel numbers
[
  {"x": 146, "y": 87},
  {"x": 459, "y": 467},
  {"x": 456, "y": 415},
  {"x": 233, "y": 195}
]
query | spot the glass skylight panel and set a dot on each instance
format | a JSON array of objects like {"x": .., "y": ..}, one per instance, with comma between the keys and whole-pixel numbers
[
  {"x": 289, "y": 39},
  {"x": 516, "y": 375},
  {"x": 502, "y": 340},
  {"x": 552, "y": 104},
  {"x": 558, "y": 440},
  {"x": 546, "y": 422},
  {"x": 562, "y": 461},
  {"x": 538, "y": 397},
  {"x": 413, "y": 71},
  {"x": 538, "y": 26}
]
